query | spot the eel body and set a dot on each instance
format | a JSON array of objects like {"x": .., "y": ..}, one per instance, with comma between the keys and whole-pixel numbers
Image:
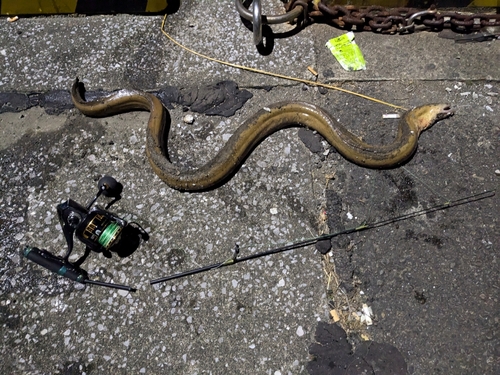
[{"x": 255, "y": 129}]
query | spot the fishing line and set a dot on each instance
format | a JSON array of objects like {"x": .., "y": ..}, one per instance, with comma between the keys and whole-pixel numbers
[{"x": 276, "y": 75}]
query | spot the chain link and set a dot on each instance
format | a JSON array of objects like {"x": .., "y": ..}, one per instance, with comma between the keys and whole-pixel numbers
[
  {"x": 391, "y": 20},
  {"x": 243, "y": 9}
]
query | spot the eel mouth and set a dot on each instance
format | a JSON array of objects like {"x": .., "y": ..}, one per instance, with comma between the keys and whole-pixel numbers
[
  {"x": 444, "y": 112},
  {"x": 429, "y": 114}
]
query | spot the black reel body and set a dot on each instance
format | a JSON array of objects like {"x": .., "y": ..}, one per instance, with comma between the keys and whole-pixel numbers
[{"x": 100, "y": 230}]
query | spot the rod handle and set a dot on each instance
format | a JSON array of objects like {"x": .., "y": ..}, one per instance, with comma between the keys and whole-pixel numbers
[{"x": 55, "y": 264}]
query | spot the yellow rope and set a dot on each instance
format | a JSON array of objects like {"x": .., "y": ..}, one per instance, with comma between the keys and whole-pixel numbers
[{"x": 243, "y": 67}]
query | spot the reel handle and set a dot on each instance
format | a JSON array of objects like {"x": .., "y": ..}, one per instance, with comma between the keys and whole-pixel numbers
[
  {"x": 110, "y": 187},
  {"x": 55, "y": 264}
]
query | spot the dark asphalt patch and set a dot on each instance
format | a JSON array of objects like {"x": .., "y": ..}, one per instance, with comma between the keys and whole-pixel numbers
[
  {"x": 56, "y": 102},
  {"x": 14, "y": 102},
  {"x": 220, "y": 99},
  {"x": 333, "y": 355},
  {"x": 312, "y": 140}
]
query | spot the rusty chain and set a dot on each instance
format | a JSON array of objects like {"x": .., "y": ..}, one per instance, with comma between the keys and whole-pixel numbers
[
  {"x": 393, "y": 20},
  {"x": 374, "y": 18}
]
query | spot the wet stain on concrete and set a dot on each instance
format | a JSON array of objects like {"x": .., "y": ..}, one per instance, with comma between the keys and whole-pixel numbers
[
  {"x": 334, "y": 212},
  {"x": 430, "y": 239},
  {"x": 333, "y": 355},
  {"x": 406, "y": 197},
  {"x": 175, "y": 257},
  {"x": 8, "y": 320},
  {"x": 77, "y": 368}
]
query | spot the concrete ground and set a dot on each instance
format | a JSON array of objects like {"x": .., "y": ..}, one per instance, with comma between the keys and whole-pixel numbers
[{"x": 431, "y": 281}]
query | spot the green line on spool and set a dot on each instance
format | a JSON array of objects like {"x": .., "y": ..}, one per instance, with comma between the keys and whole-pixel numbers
[{"x": 109, "y": 234}]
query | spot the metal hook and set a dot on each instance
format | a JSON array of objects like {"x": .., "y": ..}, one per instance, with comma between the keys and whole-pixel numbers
[
  {"x": 270, "y": 19},
  {"x": 258, "y": 19},
  {"x": 257, "y": 22},
  {"x": 410, "y": 25}
]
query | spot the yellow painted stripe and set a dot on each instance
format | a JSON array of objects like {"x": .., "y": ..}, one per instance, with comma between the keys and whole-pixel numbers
[
  {"x": 13, "y": 7},
  {"x": 156, "y": 5},
  {"x": 485, "y": 3},
  {"x": 404, "y": 3},
  {"x": 384, "y": 3},
  {"x": 19, "y": 7}
]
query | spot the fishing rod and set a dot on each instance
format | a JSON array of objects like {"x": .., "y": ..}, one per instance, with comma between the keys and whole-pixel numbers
[{"x": 234, "y": 258}]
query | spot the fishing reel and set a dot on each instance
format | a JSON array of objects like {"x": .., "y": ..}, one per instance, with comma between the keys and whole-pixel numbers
[{"x": 100, "y": 230}]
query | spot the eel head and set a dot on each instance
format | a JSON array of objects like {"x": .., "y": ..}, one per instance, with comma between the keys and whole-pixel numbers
[{"x": 425, "y": 116}]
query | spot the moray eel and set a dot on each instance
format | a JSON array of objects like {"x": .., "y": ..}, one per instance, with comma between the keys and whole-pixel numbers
[{"x": 262, "y": 124}]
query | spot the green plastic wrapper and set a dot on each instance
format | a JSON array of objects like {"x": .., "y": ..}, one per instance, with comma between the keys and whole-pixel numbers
[{"x": 347, "y": 52}]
